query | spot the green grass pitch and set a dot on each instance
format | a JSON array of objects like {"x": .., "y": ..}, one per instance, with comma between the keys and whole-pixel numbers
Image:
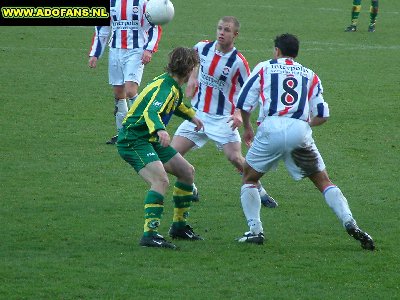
[{"x": 71, "y": 211}]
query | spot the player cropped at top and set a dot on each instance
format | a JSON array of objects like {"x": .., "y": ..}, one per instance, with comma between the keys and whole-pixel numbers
[
  {"x": 290, "y": 96},
  {"x": 132, "y": 41},
  {"x": 355, "y": 12},
  {"x": 213, "y": 88},
  {"x": 143, "y": 142}
]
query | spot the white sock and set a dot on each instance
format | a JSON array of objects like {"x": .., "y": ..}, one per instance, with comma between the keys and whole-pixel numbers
[
  {"x": 338, "y": 202},
  {"x": 121, "y": 112},
  {"x": 251, "y": 204},
  {"x": 131, "y": 100}
]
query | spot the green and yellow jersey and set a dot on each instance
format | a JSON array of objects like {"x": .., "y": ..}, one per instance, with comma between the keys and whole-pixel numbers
[{"x": 153, "y": 108}]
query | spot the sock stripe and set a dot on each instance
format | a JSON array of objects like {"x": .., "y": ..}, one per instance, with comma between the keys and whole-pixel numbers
[{"x": 328, "y": 187}]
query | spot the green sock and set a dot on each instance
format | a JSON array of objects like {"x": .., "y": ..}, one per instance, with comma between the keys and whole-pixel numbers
[
  {"x": 182, "y": 196},
  {"x": 355, "y": 12},
  {"x": 373, "y": 11},
  {"x": 153, "y": 209}
]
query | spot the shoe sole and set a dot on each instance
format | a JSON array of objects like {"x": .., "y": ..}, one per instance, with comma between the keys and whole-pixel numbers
[
  {"x": 269, "y": 204},
  {"x": 172, "y": 246},
  {"x": 161, "y": 247},
  {"x": 254, "y": 240},
  {"x": 251, "y": 242},
  {"x": 186, "y": 239}
]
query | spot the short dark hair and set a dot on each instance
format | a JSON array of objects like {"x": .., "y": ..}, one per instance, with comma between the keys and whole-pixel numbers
[
  {"x": 288, "y": 44},
  {"x": 182, "y": 61}
]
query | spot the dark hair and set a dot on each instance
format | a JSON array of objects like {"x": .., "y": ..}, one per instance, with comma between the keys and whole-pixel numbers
[
  {"x": 182, "y": 61},
  {"x": 288, "y": 44}
]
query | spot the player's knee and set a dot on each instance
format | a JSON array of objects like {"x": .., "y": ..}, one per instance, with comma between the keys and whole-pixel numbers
[
  {"x": 163, "y": 183},
  {"x": 236, "y": 160},
  {"x": 131, "y": 90},
  {"x": 119, "y": 92},
  {"x": 130, "y": 94}
]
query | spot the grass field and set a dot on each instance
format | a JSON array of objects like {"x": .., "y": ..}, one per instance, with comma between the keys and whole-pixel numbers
[{"x": 72, "y": 211}]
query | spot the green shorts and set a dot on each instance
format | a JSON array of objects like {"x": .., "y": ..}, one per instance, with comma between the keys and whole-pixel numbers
[{"x": 141, "y": 152}]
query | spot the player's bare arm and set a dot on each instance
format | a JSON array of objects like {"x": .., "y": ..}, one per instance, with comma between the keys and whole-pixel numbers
[
  {"x": 248, "y": 133},
  {"x": 316, "y": 121}
]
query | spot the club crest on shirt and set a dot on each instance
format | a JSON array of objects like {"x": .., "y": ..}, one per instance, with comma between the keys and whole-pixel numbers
[
  {"x": 135, "y": 10},
  {"x": 226, "y": 71}
]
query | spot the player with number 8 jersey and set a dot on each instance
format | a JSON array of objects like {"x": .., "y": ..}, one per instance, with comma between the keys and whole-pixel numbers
[
  {"x": 285, "y": 88},
  {"x": 291, "y": 100}
]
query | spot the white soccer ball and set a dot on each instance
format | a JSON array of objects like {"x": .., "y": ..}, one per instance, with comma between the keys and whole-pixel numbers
[{"x": 159, "y": 12}]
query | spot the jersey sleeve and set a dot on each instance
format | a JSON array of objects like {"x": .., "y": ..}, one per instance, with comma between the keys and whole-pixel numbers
[
  {"x": 238, "y": 80},
  {"x": 153, "y": 32},
  {"x": 318, "y": 106},
  {"x": 99, "y": 40},
  {"x": 199, "y": 45},
  {"x": 185, "y": 112},
  {"x": 249, "y": 94},
  {"x": 154, "y": 37}
]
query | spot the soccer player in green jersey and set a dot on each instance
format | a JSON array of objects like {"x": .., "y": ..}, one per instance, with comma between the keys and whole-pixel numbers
[
  {"x": 144, "y": 143},
  {"x": 355, "y": 12}
]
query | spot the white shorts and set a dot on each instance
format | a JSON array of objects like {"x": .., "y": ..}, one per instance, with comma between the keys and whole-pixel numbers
[
  {"x": 125, "y": 65},
  {"x": 216, "y": 128},
  {"x": 287, "y": 139}
]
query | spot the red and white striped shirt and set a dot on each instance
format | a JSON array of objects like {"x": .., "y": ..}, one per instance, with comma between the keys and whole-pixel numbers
[
  {"x": 284, "y": 88},
  {"x": 129, "y": 29},
  {"x": 220, "y": 78}
]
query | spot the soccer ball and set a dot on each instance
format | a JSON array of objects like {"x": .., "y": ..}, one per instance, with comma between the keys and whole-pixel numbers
[{"x": 159, "y": 12}]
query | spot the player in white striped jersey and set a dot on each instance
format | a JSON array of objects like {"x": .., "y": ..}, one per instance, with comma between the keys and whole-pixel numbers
[
  {"x": 214, "y": 88},
  {"x": 132, "y": 41},
  {"x": 291, "y": 98}
]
